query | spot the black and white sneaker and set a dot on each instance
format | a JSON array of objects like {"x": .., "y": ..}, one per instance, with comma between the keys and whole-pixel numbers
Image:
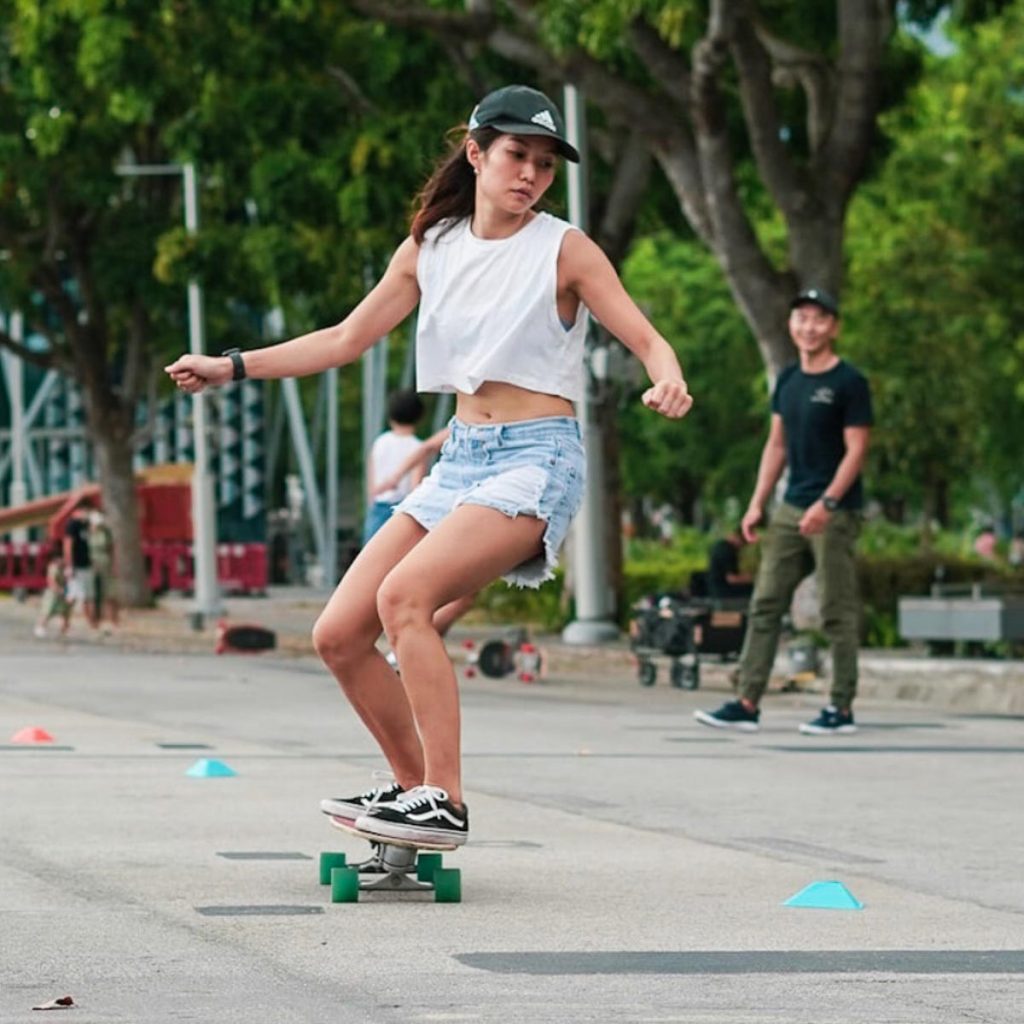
[
  {"x": 352, "y": 807},
  {"x": 422, "y": 815},
  {"x": 831, "y": 722},
  {"x": 733, "y": 714}
]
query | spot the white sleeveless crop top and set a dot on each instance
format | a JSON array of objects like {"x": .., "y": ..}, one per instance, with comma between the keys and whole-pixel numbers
[{"x": 488, "y": 311}]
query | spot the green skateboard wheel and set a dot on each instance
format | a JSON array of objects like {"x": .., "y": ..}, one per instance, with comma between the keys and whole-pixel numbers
[
  {"x": 327, "y": 862},
  {"x": 447, "y": 885},
  {"x": 426, "y": 865},
  {"x": 344, "y": 885}
]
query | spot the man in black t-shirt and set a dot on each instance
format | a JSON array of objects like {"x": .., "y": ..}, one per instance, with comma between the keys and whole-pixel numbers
[
  {"x": 724, "y": 577},
  {"x": 78, "y": 563},
  {"x": 820, "y": 426}
]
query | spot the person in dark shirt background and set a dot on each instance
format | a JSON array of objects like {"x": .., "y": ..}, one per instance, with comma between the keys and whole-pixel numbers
[
  {"x": 820, "y": 426},
  {"x": 724, "y": 577},
  {"x": 78, "y": 562}
]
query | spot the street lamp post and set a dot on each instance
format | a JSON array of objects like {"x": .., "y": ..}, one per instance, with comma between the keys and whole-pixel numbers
[
  {"x": 204, "y": 522},
  {"x": 593, "y": 622},
  {"x": 18, "y": 493}
]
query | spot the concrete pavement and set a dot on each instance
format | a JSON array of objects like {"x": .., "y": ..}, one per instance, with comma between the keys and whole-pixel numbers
[{"x": 626, "y": 864}]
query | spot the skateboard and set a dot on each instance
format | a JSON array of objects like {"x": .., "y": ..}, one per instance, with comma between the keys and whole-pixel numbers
[
  {"x": 394, "y": 865},
  {"x": 499, "y": 658},
  {"x": 244, "y": 639}
]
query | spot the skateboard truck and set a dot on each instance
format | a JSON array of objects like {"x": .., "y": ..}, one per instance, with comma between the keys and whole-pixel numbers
[{"x": 391, "y": 867}]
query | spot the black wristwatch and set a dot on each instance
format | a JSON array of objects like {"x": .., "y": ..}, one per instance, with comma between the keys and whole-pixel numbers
[
  {"x": 830, "y": 503},
  {"x": 237, "y": 362}
]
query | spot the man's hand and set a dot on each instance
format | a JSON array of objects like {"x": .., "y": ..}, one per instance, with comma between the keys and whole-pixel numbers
[
  {"x": 669, "y": 397},
  {"x": 387, "y": 484},
  {"x": 815, "y": 519},
  {"x": 193, "y": 373},
  {"x": 751, "y": 518}
]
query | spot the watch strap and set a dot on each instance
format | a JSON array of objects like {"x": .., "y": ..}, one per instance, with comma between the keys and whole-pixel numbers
[{"x": 237, "y": 363}]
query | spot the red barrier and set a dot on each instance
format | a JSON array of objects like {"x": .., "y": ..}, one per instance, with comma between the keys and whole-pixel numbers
[
  {"x": 241, "y": 568},
  {"x": 23, "y": 566}
]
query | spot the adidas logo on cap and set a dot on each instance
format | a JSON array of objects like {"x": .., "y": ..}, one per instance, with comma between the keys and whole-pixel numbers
[{"x": 545, "y": 120}]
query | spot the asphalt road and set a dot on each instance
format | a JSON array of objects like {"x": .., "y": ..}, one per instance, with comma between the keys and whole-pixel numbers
[{"x": 626, "y": 865}]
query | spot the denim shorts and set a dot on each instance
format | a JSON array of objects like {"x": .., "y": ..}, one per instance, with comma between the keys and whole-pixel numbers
[{"x": 525, "y": 468}]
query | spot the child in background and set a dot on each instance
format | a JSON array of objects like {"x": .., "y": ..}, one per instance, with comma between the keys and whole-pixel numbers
[
  {"x": 389, "y": 451},
  {"x": 55, "y": 598}
]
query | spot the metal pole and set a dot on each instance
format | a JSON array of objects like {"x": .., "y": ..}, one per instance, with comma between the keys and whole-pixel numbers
[
  {"x": 331, "y": 515},
  {"x": 593, "y": 622},
  {"x": 304, "y": 453},
  {"x": 204, "y": 513},
  {"x": 18, "y": 493}
]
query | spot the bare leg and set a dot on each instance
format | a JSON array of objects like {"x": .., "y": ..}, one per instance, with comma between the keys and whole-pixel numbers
[
  {"x": 470, "y": 548},
  {"x": 345, "y": 637},
  {"x": 446, "y": 617}
]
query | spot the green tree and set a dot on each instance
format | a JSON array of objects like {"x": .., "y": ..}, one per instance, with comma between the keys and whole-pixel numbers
[
  {"x": 936, "y": 256},
  {"x": 682, "y": 288},
  {"x": 306, "y": 180},
  {"x": 794, "y": 87}
]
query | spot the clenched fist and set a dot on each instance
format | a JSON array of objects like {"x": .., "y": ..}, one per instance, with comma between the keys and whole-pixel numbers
[
  {"x": 193, "y": 373},
  {"x": 669, "y": 397}
]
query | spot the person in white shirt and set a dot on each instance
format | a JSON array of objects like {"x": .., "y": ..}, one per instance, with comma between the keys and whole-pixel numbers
[
  {"x": 388, "y": 452},
  {"x": 503, "y": 293}
]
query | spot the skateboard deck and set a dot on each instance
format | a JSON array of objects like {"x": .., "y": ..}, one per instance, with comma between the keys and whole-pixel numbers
[{"x": 394, "y": 866}]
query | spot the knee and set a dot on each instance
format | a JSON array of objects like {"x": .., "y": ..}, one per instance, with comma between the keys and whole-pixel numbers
[
  {"x": 337, "y": 644},
  {"x": 399, "y": 607},
  {"x": 767, "y": 609}
]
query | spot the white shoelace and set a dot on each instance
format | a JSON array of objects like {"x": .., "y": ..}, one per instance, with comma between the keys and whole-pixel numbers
[
  {"x": 373, "y": 796},
  {"x": 420, "y": 796}
]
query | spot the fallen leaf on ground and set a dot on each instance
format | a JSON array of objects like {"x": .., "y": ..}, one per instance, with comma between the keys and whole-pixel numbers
[{"x": 63, "y": 1003}]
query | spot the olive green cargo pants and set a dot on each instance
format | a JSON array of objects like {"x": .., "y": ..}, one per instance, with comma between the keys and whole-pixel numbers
[{"x": 786, "y": 558}]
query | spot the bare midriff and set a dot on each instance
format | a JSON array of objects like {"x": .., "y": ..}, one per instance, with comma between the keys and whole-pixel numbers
[{"x": 494, "y": 402}]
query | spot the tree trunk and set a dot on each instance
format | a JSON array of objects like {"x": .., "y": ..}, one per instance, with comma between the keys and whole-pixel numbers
[{"x": 112, "y": 443}]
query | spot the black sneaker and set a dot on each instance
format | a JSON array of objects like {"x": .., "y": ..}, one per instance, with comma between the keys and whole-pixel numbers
[
  {"x": 422, "y": 815},
  {"x": 353, "y": 806},
  {"x": 733, "y": 714},
  {"x": 831, "y": 722}
]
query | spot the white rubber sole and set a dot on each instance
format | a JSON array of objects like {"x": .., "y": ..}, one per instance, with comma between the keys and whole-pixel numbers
[
  {"x": 815, "y": 730},
  {"x": 716, "y": 723},
  {"x": 386, "y": 830}
]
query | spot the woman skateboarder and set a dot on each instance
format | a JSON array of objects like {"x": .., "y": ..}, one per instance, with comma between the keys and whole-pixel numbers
[{"x": 503, "y": 293}]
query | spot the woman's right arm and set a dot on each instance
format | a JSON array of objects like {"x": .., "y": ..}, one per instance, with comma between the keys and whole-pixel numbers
[{"x": 387, "y": 305}]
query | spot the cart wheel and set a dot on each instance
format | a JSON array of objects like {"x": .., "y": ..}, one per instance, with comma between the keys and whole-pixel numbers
[
  {"x": 496, "y": 659},
  {"x": 329, "y": 861},
  {"x": 447, "y": 885},
  {"x": 426, "y": 865},
  {"x": 684, "y": 676},
  {"x": 344, "y": 885},
  {"x": 647, "y": 673}
]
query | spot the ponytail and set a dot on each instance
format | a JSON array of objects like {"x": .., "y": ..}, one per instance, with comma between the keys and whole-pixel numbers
[{"x": 450, "y": 192}]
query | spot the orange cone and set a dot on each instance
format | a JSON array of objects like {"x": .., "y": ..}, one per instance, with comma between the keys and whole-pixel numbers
[{"x": 32, "y": 734}]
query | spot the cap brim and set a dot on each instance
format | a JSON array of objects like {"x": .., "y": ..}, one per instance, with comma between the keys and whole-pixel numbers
[
  {"x": 831, "y": 310},
  {"x": 519, "y": 128}
]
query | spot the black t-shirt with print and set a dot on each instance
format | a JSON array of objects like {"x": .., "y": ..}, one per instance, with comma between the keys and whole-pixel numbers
[
  {"x": 77, "y": 531},
  {"x": 815, "y": 409}
]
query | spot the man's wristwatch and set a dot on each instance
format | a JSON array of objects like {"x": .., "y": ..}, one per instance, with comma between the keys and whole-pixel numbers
[
  {"x": 237, "y": 362},
  {"x": 830, "y": 503}
]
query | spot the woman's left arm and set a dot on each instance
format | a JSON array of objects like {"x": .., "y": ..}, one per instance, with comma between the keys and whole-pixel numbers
[{"x": 585, "y": 270}]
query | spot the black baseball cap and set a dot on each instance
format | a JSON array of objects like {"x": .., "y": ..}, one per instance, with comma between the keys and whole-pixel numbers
[
  {"x": 520, "y": 110},
  {"x": 816, "y": 297}
]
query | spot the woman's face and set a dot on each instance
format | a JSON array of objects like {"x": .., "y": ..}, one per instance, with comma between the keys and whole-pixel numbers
[{"x": 515, "y": 171}]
